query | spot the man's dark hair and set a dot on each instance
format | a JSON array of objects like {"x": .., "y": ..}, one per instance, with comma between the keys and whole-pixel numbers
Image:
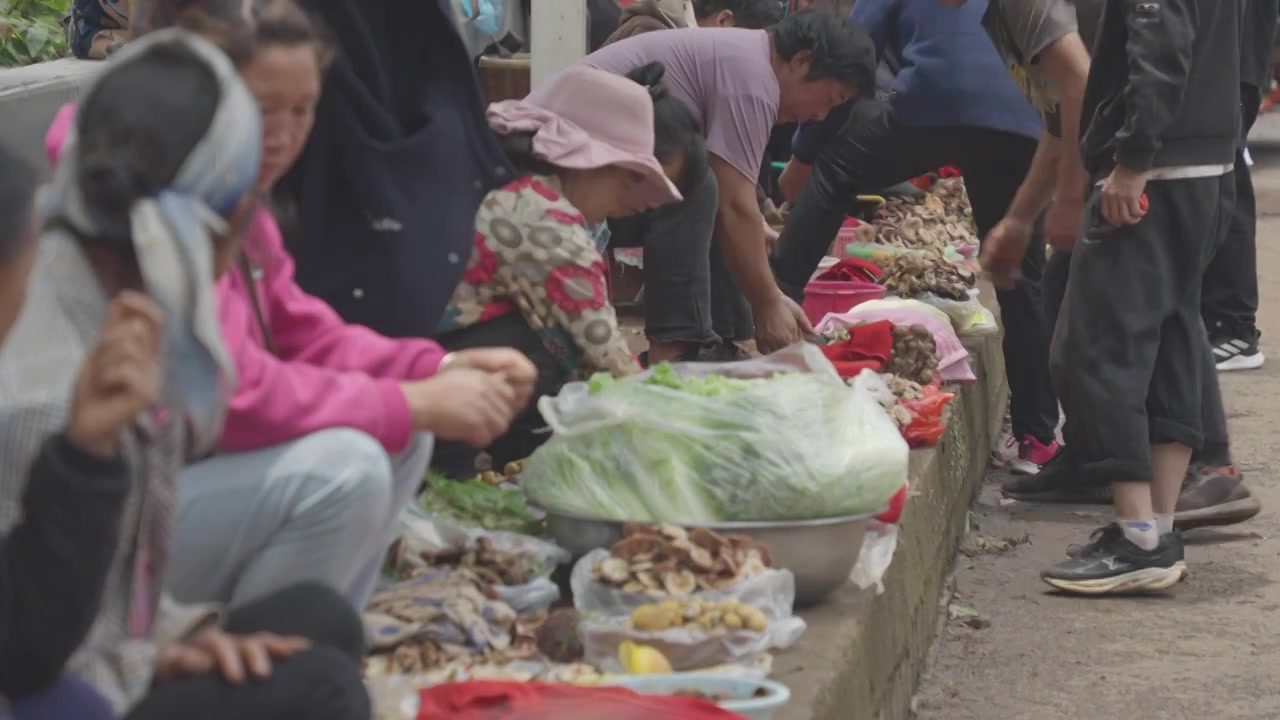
[
  {"x": 749, "y": 14},
  {"x": 841, "y": 49},
  {"x": 17, "y": 193}
]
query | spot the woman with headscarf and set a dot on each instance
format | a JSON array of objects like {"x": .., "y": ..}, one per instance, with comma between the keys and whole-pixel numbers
[
  {"x": 155, "y": 184},
  {"x": 331, "y": 425}
]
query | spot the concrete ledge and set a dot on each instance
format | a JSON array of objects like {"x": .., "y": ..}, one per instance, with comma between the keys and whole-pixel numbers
[
  {"x": 863, "y": 654},
  {"x": 29, "y": 97}
]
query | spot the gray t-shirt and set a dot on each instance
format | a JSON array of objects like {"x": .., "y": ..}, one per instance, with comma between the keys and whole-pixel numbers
[
  {"x": 1020, "y": 30},
  {"x": 724, "y": 75}
]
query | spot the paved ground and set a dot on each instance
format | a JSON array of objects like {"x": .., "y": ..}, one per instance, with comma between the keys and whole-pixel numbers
[{"x": 1209, "y": 649}]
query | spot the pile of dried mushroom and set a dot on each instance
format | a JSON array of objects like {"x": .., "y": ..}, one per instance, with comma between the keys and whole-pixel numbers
[
  {"x": 442, "y": 618},
  {"x": 669, "y": 560},
  {"x": 489, "y": 564},
  {"x": 933, "y": 221},
  {"x": 910, "y": 274}
]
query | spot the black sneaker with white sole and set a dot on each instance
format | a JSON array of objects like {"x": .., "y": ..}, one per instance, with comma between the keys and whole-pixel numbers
[
  {"x": 1237, "y": 354},
  {"x": 1111, "y": 564},
  {"x": 1056, "y": 482},
  {"x": 1094, "y": 546}
]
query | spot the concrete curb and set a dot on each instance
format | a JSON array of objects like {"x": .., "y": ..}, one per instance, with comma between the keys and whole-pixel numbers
[
  {"x": 863, "y": 654},
  {"x": 29, "y": 97}
]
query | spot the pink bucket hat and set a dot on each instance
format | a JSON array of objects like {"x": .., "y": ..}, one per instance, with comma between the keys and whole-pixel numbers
[{"x": 586, "y": 118}]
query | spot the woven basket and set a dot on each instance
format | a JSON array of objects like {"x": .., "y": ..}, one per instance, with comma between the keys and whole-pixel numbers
[{"x": 504, "y": 78}]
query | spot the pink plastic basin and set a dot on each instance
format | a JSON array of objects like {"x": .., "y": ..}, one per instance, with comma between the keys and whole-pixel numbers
[{"x": 837, "y": 296}]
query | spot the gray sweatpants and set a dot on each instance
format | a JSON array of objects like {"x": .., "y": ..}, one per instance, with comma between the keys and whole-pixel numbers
[{"x": 322, "y": 508}]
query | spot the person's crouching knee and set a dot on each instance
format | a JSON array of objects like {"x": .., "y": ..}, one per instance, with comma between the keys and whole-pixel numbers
[
  {"x": 311, "y": 610},
  {"x": 323, "y": 683}
]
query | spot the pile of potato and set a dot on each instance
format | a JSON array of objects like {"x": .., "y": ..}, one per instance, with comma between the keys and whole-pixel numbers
[{"x": 702, "y": 614}]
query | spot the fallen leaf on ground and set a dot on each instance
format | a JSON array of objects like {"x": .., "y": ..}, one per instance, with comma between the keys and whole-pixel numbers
[{"x": 977, "y": 544}]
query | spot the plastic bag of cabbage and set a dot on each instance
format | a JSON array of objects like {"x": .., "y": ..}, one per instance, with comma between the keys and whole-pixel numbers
[{"x": 777, "y": 438}]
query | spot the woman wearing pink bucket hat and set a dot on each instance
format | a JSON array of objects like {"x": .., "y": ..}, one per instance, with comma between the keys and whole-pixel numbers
[{"x": 589, "y": 145}]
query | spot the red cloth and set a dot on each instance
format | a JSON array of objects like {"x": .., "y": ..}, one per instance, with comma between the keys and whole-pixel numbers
[
  {"x": 495, "y": 700},
  {"x": 949, "y": 171},
  {"x": 867, "y": 348},
  {"x": 851, "y": 270}
]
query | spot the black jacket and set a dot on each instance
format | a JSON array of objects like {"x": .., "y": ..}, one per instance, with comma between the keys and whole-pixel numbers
[
  {"x": 1164, "y": 86},
  {"x": 54, "y": 563},
  {"x": 1258, "y": 42},
  {"x": 379, "y": 212}
]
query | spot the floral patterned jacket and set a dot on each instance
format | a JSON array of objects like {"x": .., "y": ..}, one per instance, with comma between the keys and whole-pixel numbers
[{"x": 534, "y": 255}]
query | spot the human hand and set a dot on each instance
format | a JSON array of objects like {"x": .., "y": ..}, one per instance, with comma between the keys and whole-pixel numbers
[
  {"x": 770, "y": 238},
  {"x": 1062, "y": 222},
  {"x": 1123, "y": 202},
  {"x": 513, "y": 365},
  {"x": 235, "y": 657},
  {"x": 1003, "y": 249},
  {"x": 466, "y": 404},
  {"x": 791, "y": 181},
  {"x": 780, "y": 323},
  {"x": 121, "y": 376}
]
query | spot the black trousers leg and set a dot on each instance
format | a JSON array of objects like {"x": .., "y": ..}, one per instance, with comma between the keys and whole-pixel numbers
[
  {"x": 992, "y": 175},
  {"x": 528, "y": 430},
  {"x": 1129, "y": 349},
  {"x": 872, "y": 151},
  {"x": 321, "y": 683},
  {"x": 1229, "y": 301},
  {"x": 677, "y": 242}
]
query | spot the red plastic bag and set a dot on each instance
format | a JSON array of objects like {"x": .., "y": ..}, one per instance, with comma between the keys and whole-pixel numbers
[
  {"x": 927, "y": 424},
  {"x": 496, "y": 700},
  {"x": 899, "y": 501}
]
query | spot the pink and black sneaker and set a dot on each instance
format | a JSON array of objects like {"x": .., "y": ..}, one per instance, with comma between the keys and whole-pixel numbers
[{"x": 1032, "y": 455}]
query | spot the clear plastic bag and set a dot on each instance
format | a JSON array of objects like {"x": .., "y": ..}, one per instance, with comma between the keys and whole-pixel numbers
[
  {"x": 878, "y": 546},
  {"x": 774, "y": 592},
  {"x": 421, "y": 532},
  {"x": 953, "y": 362},
  {"x": 968, "y": 316},
  {"x": 686, "y": 649},
  {"x": 800, "y": 445}
]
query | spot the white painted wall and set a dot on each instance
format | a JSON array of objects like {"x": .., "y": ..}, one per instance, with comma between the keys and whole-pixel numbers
[{"x": 557, "y": 35}]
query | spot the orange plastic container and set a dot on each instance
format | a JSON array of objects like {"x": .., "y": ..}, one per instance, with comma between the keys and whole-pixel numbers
[{"x": 837, "y": 296}]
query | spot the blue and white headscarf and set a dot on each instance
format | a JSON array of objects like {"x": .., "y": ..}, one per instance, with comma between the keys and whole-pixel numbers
[{"x": 172, "y": 233}]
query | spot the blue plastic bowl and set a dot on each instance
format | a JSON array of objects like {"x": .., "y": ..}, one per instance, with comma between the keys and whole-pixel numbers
[{"x": 757, "y": 708}]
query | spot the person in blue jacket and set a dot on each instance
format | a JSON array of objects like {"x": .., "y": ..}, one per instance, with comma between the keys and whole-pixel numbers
[{"x": 953, "y": 102}]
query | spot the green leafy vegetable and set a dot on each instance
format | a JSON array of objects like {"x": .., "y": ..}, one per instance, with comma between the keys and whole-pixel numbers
[
  {"x": 666, "y": 447},
  {"x": 476, "y": 503}
]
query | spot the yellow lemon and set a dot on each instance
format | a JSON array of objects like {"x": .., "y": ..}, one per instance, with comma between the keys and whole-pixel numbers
[{"x": 642, "y": 660}]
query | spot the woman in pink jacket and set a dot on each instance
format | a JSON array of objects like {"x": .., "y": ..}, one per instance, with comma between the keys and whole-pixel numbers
[{"x": 331, "y": 426}]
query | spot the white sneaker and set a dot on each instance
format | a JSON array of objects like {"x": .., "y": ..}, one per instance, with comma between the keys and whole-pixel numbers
[{"x": 1237, "y": 354}]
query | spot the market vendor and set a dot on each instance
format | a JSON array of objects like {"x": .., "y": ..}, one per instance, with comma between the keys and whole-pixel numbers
[
  {"x": 324, "y": 471},
  {"x": 1131, "y": 351},
  {"x": 54, "y": 561},
  {"x": 145, "y": 208},
  {"x": 738, "y": 83},
  {"x": 588, "y": 146},
  {"x": 953, "y": 104},
  {"x": 730, "y": 314}
]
